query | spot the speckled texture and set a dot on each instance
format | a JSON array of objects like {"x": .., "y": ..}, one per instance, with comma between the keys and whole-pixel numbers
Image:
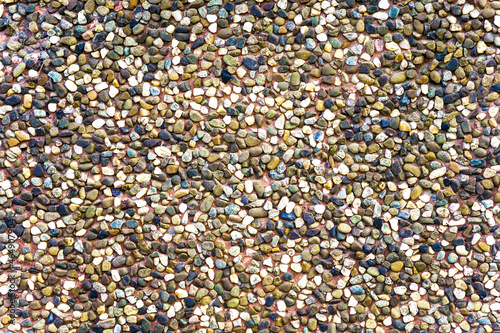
[{"x": 213, "y": 166}]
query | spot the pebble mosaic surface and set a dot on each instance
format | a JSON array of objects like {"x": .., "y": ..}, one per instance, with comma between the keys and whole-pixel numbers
[{"x": 211, "y": 166}]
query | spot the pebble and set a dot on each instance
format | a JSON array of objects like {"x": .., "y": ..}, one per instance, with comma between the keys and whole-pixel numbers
[{"x": 210, "y": 166}]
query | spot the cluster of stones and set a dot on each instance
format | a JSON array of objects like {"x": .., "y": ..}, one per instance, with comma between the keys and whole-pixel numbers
[{"x": 288, "y": 166}]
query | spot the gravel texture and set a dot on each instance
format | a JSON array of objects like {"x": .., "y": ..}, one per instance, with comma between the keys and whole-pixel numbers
[{"x": 212, "y": 166}]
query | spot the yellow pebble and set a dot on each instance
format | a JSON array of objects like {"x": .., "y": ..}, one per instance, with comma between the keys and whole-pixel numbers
[
  {"x": 92, "y": 95},
  {"x": 28, "y": 99},
  {"x": 33, "y": 27}
]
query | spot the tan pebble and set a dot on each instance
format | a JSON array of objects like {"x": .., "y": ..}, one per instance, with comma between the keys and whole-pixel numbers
[
  {"x": 344, "y": 228},
  {"x": 397, "y": 266},
  {"x": 454, "y": 167}
]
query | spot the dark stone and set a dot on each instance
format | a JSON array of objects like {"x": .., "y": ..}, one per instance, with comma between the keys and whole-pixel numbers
[
  {"x": 250, "y": 63},
  {"x": 184, "y": 86},
  {"x": 226, "y": 77},
  {"x": 13, "y": 100}
]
